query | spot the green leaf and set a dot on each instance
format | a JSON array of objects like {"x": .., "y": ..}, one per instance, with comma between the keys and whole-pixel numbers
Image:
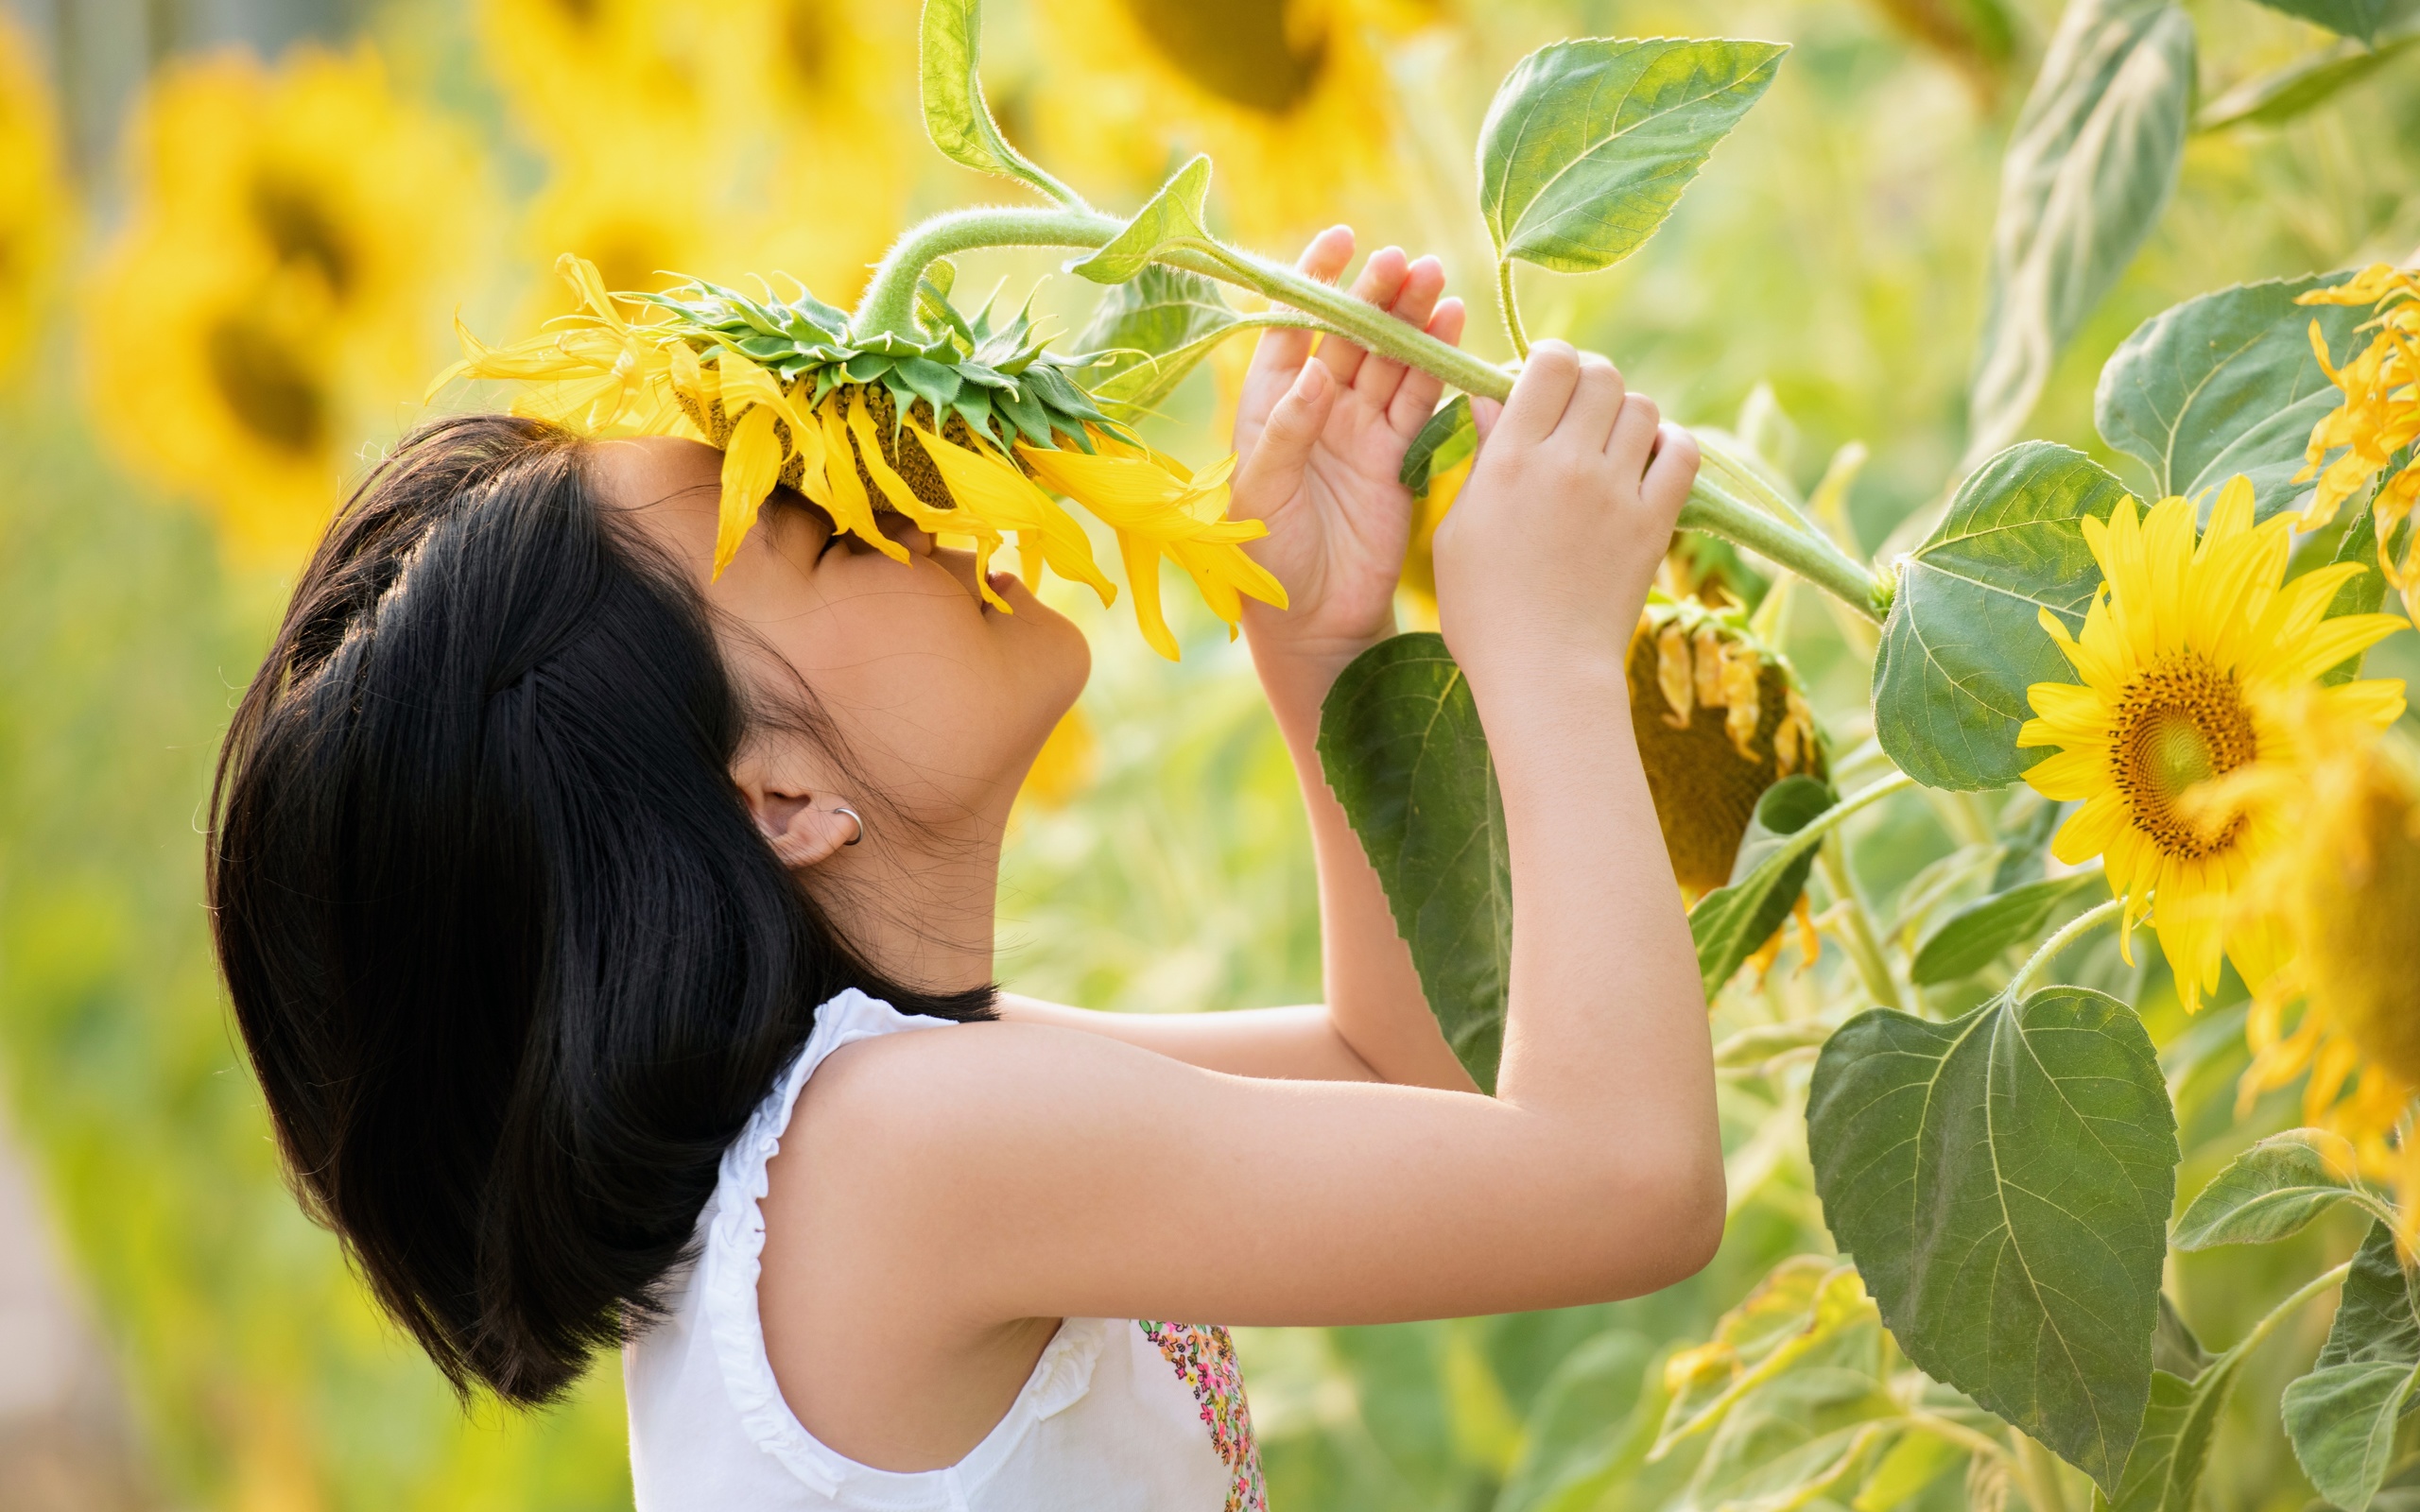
[
  {"x": 1589, "y": 143},
  {"x": 2270, "y": 1190},
  {"x": 2165, "y": 1468},
  {"x": 1964, "y": 641},
  {"x": 1974, "y": 936},
  {"x": 2226, "y": 384},
  {"x": 956, "y": 117},
  {"x": 1802, "y": 1302},
  {"x": 1774, "y": 857},
  {"x": 1401, "y": 745},
  {"x": 2358, "y": 19},
  {"x": 1151, "y": 331},
  {"x": 2343, "y": 1416},
  {"x": 1448, "y": 437},
  {"x": 2363, "y": 595},
  {"x": 2004, "y": 1181},
  {"x": 1174, "y": 217},
  {"x": 2086, "y": 174},
  {"x": 2289, "y": 90}
]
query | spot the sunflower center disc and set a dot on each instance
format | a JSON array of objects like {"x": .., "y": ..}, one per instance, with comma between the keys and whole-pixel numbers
[{"x": 2179, "y": 725}]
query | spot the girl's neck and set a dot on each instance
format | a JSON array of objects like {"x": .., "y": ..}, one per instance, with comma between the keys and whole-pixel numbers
[{"x": 921, "y": 909}]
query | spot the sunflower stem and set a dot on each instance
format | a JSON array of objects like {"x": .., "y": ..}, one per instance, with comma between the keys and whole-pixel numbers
[
  {"x": 888, "y": 306},
  {"x": 1856, "y": 926},
  {"x": 1511, "y": 305},
  {"x": 2075, "y": 928}
]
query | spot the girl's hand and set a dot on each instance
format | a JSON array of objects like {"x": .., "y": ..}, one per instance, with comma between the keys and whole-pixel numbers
[
  {"x": 1544, "y": 562},
  {"x": 1319, "y": 440}
]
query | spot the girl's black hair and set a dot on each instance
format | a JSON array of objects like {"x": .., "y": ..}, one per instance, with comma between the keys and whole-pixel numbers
[{"x": 511, "y": 960}]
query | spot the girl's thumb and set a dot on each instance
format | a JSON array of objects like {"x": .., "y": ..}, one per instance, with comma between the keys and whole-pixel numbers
[{"x": 1295, "y": 424}]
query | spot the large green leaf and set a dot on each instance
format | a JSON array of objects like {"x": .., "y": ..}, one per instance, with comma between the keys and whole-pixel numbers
[
  {"x": 2226, "y": 384},
  {"x": 1776, "y": 855},
  {"x": 2004, "y": 1181},
  {"x": 1401, "y": 745},
  {"x": 1172, "y": 218},
  {"x": 2358, "y": 19},
  {"x": 1151, "y": 331},
  {"x": 2343, "y": 1416},
  {"x": 2270, "y": 1190},
  {"x": 1963, "y": 640},
  {"x": 1589, "y": 143},
  {"x": 2290, "y": 89},
  {"x": 2165, "y": 1468},
  {"x": 1974, "y": 935},
  {"x": 2086, "y": 174},
  {"x": 956, "y": 117},
  {"x": 2362, "y": 594}
]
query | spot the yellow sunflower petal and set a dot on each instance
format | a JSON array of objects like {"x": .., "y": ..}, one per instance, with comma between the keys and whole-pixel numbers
[
  {"x": 2068, "y": 775},
  {"x": 751, "y": 464}
]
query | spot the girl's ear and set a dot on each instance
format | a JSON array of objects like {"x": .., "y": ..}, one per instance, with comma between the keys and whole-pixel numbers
[{"x": 801, "y": 833}]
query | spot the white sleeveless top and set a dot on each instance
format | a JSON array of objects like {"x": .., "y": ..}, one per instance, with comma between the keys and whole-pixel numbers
[{"x": 1117, "y": 1415}]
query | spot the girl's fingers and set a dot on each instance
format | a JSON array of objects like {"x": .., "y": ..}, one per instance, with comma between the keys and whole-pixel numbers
[
  {"x": 1282, "y": 351},
  {"x": 1541, "y": 392},
  {"x": 1632, "y": 446},
  {"x": 1414, "y": 302},
  {"x": 1381, "y": 279},
  {"x": 1666, "y": 485},
  {"x": 1595, "y": 404},
  {"x": 1416, "y": 397}
]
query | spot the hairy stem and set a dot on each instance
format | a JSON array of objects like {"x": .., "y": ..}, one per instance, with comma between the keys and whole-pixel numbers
[
  {"x": 2075, "y": 928},
  {"x": 1856, "y": 926},
  {"x": 1511, "y": 306},
  {"x": 2283, "y": 1310},
  {"x": 2037, "y": 1474},
  {"x": 889, "y": 307}
]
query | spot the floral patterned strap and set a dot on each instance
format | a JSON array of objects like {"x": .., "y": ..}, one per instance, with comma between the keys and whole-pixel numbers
[{"x": 1205, "y": 1358}]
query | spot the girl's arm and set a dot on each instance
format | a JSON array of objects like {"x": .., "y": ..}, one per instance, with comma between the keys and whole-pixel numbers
[
  {"x": 1320, "y": 439},
  {"x": 940, "y": 1187}
]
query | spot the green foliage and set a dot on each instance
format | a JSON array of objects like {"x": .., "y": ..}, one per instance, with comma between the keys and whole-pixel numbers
[
  {"x": 2358, "y": 19},
  {"x": 1776, "y": 855},
  {"x": 2004, "y": 1181},
  {"x": 2164, "y": 1469},
  {"x": 1172, "y": 217},
  {"x": 1963, "y": 640},
  {"x": 2290, "y": 90},
  {"x": 2273, "y": 1190},
  {"x": 2087, "y": 173},
  {"x": 1976, "y": 934},
  {"x": 957, "y": 117},
  {"x": 1449, "y": 436},
  {"x": 1588, "y": 143},
  {"x": 1151, "y": 331},
  {"x": 2227, "y": 384},
  {"x": 1401, "y": 745},
  {"x": 2364, "y": 593},
  {"x": 2343, "y": 1416}
]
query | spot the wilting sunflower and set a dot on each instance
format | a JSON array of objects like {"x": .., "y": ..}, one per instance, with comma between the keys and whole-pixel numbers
[
  {"x": 2379, "y": 419},
  {"x": 290, "y": 243},
  {"x": 35, "y": 207},
  {"x": 2345, "y": 889},
  {"x": 1719, "y": 719},
  {"x": 1290, "y": 96},
  {"x": 2187, "y": 648},
  {"x": 967, "y": 436}
]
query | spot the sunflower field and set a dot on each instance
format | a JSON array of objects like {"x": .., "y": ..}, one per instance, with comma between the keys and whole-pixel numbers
[{"x": 2025, "y": 698}]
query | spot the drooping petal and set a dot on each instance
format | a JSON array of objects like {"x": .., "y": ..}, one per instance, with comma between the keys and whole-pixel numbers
[{"x": 751, "y": 464}]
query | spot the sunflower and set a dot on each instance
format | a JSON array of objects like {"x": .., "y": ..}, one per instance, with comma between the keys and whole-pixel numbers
[
  {"x": 35, "y": 207},
  {"x": 2379, "y": 419},
  {"x": 291, "y": 229},
  {"x": 1719, "y": 719},
  {"x": 2354, "y": 986},
  {"x": 573, "y": 69},
  {"x": 1288, "y": 97},
  {"x": 968, "y": 436},
  {"x": 2187, "y": 648}
]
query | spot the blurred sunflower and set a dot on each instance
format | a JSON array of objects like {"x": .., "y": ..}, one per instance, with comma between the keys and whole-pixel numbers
[
  {"x": 291, "y": 231},
  {"x": 2354, "y": 862},
  {"x": 1290, "y": 98},
  {"x": 572, "y": 69},
  {"x": 1718, "y": 718},
  {"x": 2379, "y": 419},
  {"x": 35, "y": 207},
  {"x": 968, "y": 436},
  {"x": 2187, "y": 649}
]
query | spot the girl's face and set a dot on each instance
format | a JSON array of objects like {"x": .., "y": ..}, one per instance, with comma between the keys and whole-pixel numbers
[{"x": 943, "y": 699}]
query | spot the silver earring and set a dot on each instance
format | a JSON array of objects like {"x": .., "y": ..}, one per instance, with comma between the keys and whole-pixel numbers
[{"x": 854, "y": 818}]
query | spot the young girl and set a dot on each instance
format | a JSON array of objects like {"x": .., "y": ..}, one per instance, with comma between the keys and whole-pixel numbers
[{"x": 613, "y": 946}]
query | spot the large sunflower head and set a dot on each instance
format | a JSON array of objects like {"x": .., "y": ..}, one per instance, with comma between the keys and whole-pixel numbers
[
  {"x": 2379, "y": 419},
  {"x": 34, "y": 202},
  {"x": 2187, "y": 648},
  {"x": 1288, "y": 97},
  {"x": 968, "y": 435},
  {"x": 1719, "y": 719},
  {"x": 2344, "y": 889},
  {"x": 273, "y": 283}
]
